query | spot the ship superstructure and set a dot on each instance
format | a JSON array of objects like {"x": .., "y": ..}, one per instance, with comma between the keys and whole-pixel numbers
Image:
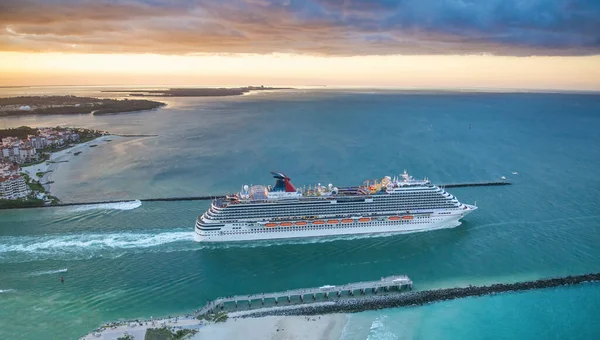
[{"x": 391, "y": 205}]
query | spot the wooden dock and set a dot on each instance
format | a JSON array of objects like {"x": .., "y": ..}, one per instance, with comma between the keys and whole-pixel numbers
[{"x": 388, "y": 284}]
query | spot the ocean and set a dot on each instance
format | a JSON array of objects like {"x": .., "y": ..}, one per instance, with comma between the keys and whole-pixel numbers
[{"x": 134, "y": 259}]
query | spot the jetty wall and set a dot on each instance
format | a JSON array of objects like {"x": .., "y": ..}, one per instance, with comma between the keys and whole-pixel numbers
[{"x": 416, "y": 298}]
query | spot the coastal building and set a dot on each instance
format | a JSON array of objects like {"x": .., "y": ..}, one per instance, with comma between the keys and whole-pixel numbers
[
  {"x": 8, "y": 141},
  {"x": 13, "y": 187},
  {"x": 8, "y": 169}
]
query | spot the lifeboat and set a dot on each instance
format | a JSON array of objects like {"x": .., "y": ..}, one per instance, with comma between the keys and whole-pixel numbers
[
  {"x": 394, "y": 218},
  {"x": 271, "y": 225},
  {"x": 286, "y": 224},
  {"x": 300, "y": 223},
  {"x": 333, "y": 221},
  {"x": 364, "y": 219},
  {"x": 318, "y": 222},
  {"x": 407, "y": 217},
  {"x": 347, "y": 220}
]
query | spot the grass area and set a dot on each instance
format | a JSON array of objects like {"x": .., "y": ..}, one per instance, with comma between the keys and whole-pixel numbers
[
  {"x": 216, "y": 317},
  {"x": 166, "y": 333},
  {"x": 126, "y": 337}
]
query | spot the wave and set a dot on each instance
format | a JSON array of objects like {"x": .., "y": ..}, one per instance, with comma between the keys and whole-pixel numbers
[
  {"x": 7, "y": 291},
  {"x": 49, "y": 272},
  {"x": 129, "y": 205}
]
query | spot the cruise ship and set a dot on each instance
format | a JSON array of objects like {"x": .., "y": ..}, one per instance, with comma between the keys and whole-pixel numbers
[{"x": 400, "y": 204}]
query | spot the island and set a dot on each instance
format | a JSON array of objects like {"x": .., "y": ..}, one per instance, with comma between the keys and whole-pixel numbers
[
  {"x": 198, "y": 92},
  {"x": 28, "y": 156},
  {"x": 48, "y": 105}
]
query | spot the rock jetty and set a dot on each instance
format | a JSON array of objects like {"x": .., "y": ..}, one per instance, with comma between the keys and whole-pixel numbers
[{"x": 416, "y": 298}]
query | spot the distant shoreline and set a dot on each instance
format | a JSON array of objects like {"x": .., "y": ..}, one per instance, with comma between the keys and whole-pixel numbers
[
  {"x": 66, "y": 105},
  {"x": 197, "y": 92}
]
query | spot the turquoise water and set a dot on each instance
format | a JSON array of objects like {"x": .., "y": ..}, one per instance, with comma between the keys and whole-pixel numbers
[{"x": 131, "y": 260}]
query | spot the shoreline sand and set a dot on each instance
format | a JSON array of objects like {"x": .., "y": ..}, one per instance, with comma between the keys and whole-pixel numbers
[
  {"x": 325, "y": 327},
  {"x": 57, "y": 158}
]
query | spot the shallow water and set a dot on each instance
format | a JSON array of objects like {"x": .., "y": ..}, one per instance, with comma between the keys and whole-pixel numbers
[{"x": 138, "y": 259}]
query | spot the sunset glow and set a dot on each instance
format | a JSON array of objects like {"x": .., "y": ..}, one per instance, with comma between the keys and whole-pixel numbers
[{"x": 432, "y": 44}]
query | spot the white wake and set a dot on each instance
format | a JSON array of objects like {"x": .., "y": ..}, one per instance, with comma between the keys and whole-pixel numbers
[{"x": 128, "y": 205}]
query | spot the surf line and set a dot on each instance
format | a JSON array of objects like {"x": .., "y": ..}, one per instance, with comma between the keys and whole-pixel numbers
[{"x": 417, "y": 298}]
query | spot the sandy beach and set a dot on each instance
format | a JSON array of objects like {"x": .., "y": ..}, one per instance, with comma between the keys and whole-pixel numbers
[
  {"x": 56, "y": 158},
  {"x": 324, "y": 327}
]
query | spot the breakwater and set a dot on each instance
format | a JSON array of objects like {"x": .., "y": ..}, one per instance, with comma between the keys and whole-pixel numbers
[
  {"x": 416, "y": 298},
  {"x": 476, "y": 184},
  {"x": 212, "y": 197}
]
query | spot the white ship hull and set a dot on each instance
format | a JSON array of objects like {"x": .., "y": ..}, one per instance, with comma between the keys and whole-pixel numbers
[{"x": 437, "y": 220}]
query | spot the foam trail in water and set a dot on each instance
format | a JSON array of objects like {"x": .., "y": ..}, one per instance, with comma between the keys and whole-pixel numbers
[
  {"x": 129, "y": 205},
  {"x": 49, "y": 272},
  {"x": 6, "y": 290}
]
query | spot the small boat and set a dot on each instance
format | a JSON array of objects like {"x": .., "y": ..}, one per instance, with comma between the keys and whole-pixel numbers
[
  {"x": 515, "y": 173},
  {"x": 271, "y": 225},
  {"x": 503, "y": 178},
  {"x": 364, "y": 219},
  {"x": 285, "y": 224},
  {"x": 347, "y": 220},
  {"x": 394, "y": 218},
  {"x": 318, "y": 222},
  {"x": 407, "y": 217},
  {"x": 301, "y": 223},
  {"x": 333, "y": 221}
]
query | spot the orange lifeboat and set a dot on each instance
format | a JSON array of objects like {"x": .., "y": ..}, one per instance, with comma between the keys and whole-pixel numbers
[
  {"x": 300, "y": 223},
  {"x": 271, "y": 225},
  {"x": 286, "y": 224},
  {"x": 318, "y": 222},
  {"x": 333, "y": 221},
  {"x": 364, "y": 219},
  {"x": 407, "y": 217},
  {"x": 347, "y": 220},
  {"x": 394, "y": 218}
]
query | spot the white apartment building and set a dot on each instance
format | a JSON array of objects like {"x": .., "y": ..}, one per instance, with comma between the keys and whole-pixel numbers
[{"x": 13, "y": 187}]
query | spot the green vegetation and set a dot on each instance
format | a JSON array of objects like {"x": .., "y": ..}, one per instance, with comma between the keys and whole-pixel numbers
[
  {"x": 166, "y": 333},
  {"x": 216, "y": 317},
  {"x": 20, "y": 132},
  {"x": 44, "y": 105},
  {"x": 126, "y": 337},
  {"x": 20, "y": 203}
]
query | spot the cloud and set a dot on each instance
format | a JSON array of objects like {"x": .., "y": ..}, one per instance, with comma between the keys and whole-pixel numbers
[{"x": 321, "y": 27}]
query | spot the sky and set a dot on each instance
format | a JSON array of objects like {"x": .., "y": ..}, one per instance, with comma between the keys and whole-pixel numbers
[{"x": 529, "y": 44}]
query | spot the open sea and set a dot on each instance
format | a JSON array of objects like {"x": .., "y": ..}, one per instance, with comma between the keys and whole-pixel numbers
[{"x": 136, "y": 260}]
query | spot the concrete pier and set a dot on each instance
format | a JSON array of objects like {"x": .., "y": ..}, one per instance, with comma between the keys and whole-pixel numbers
[{"x": 398, "y": 282}]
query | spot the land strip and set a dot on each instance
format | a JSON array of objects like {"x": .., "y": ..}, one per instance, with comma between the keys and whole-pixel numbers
[
  {"x": 198, "y": 92},
  {"x": 52, "y": 105}
]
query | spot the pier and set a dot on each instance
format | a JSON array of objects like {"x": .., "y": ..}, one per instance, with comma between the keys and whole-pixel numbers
[{"x": 396, "y": 283}]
